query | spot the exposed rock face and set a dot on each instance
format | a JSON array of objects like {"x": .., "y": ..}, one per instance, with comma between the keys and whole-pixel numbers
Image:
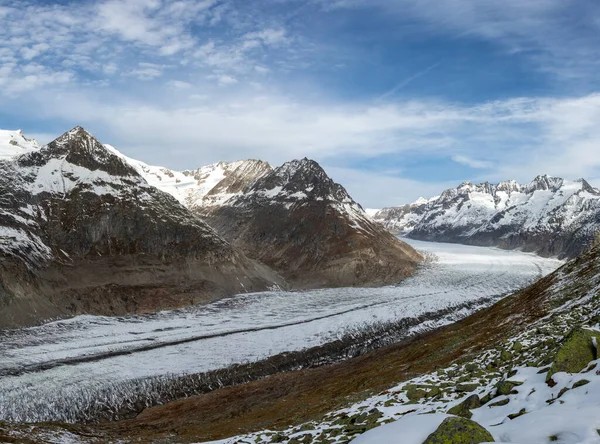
[
  {"x": 82, "y": 232},
  {"x": 549, "y": 216},
  {"x": 298, "y": 221}
]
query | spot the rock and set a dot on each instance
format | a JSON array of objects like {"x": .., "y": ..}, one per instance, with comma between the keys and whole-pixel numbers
[
  {"x": 414, "y": 394},
  {"x": 576, "y": 352},
  {"x": 464, "y": 408},
  {"x": 465, "y": 388},
  {"x": 580, "y": 383},
  {"x": 433, "y": 392},
  {"x": 500, "y": 403},
  {"x": 507, "y": 387},
  {"x": 516, "y": 415},
  {"x": 459, "y": 431}
]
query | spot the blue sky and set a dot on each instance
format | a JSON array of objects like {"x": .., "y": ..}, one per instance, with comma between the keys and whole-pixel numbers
[{"x": 396, "y": 98}]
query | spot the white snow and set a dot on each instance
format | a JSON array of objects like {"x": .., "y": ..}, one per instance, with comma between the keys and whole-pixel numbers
[
  {"x": 411, "y": 429},
  {"x": 245, "y": 328},
  {"x": 13, "y": 143},
  {"x": 195, "y": 188}
]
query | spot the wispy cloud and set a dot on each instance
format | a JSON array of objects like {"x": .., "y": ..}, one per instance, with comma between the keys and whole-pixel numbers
[
  {"x": 407, "y": 81},
  {"x": 473, "y": 163}
]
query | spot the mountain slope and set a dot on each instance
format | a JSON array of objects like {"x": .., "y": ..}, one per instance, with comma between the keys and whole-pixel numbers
[
  {"x": 82, "y": 232},
  {"x": 298, "y": 221},
  {"x": 549, "y": 216}
]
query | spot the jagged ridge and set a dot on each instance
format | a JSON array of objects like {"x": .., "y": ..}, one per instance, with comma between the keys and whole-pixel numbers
[{"x": 549, "y": 216}]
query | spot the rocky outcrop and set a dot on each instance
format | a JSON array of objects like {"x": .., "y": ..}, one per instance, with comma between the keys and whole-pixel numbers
[
  {"x": 82, "y": 232},
  {"x": 549, "y": 216},
  {"x": 298, "y": 221}
]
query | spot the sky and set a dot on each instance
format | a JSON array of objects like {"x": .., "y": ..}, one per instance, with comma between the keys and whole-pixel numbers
[{"x": 396, "y": 99}]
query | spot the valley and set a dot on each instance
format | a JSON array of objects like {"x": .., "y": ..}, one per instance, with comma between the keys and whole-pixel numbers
[{"x": 63, "y": 370}]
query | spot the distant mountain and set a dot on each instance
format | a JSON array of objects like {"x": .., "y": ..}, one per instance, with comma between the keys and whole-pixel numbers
[
  {"x": 298, "y": 221},
  {"x": 81, "y": 231},
  {"x": 549, "y": 216}
]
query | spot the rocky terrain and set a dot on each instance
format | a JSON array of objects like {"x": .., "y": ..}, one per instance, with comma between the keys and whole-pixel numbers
[
  {"x": 549, "y": 216},
  {"x": 82, "y": 232}
]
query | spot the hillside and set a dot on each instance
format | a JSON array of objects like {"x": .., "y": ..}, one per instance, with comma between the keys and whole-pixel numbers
[
  {"x": 82, "y": 232},
  {"x": 549, "y": 216}
]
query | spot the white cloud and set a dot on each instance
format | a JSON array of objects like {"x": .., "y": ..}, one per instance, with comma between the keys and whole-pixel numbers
[
  {"x": 178, "y": 84},
  {"x": 473, "y": 163},
  {"x": 223, "y": 79},
  {"x": 268, "y": 36}
]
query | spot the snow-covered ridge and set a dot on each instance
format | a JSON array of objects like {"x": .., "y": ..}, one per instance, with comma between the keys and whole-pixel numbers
[
  {"x": 13, "y": 143},
  {"x": 498, "y": 214},
  {"x": 205, "y": 186}
]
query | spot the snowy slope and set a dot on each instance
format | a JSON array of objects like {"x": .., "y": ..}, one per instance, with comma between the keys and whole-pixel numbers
[
  {"x": 204, "y": 187},
  {"x": 13, "y": 143},
  {"x": 550, "y": 215}
]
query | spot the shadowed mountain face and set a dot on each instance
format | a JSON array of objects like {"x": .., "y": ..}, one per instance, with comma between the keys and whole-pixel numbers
[
  {"x": 82, "y": 232},
  {"x": 549, "y": 216},
  {"x": 298, "y": 221}
]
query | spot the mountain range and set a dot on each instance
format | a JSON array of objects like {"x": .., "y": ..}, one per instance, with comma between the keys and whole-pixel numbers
[
  {"x": 549, "y": 216},
  {"x": 84, "y": 229}
]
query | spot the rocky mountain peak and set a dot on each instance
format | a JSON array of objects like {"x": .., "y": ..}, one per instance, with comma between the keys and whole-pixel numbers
[
  {"x": 79, "y": 147},
  {"x": 544, "y": 183},
  {"x": 585, "y": 186},
  {"x": 302, "y": 178},
  {"x": 508, "y": 186}
]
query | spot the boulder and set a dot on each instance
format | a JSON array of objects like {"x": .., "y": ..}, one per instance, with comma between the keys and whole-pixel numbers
[
  {"x": 464, "y": 408},
  {"x": 457, "y": 430},
  {"x": 576, "y": 352}
]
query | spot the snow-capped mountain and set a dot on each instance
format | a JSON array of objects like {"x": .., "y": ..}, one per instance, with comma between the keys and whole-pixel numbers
[
  {"x": 549, "y": 216},
  {"x": 82, "y": 231},
  {"x": 298, "y": 221}
]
